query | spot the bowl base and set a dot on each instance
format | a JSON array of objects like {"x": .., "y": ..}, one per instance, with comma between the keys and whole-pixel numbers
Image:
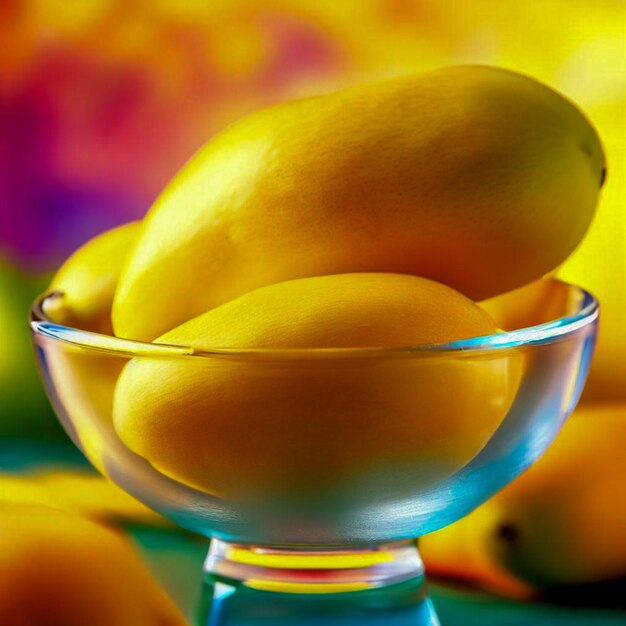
[{"x": 315, "y": 586}]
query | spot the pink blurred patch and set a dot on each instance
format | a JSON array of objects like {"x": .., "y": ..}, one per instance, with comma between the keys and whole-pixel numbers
[
  {"x": 90, "y": 137},
  {"x": 299, "y": 48}
]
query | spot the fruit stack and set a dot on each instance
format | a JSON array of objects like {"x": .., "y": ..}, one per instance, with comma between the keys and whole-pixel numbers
[{"x": 381, "y": 216}]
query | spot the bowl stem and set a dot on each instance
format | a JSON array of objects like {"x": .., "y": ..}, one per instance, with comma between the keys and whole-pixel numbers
[{"x": 376, "y": 584}]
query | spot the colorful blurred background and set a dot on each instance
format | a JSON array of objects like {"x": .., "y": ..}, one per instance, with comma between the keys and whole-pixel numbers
[{"x": 101, "y": 101}]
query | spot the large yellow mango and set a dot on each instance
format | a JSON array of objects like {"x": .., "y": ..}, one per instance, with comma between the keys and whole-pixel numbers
[
  {"x": 476, "y": 177},
  {"x": 599, "y": 264},
  {"x": 57, "y": 568},
  {"x": 244, "y": 426}
]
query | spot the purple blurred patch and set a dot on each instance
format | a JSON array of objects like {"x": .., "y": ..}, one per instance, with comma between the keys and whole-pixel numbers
[
  {"x": 89, "y": 137},
  {"x": 42, "y": 218}
]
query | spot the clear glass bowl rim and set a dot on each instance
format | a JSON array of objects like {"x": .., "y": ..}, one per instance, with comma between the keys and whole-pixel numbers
[{"x": 547, "y": 332}]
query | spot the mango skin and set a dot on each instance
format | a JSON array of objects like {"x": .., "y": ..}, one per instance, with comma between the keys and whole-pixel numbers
[
  {"x": 57, "y": 568},
  {"x": 600, "y": 263},
  {"x": 246, "y": 427},
  {"x": 562, "y": 522},
  {"x": 476, "y": 177},
  {"x": 88, "y": 280},
  {"x": 537, "y": 303},
  {"x": 84, "y": 382}
]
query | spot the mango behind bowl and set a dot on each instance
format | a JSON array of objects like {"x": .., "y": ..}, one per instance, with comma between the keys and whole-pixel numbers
[
  {"x": 564, "y": 522},
  {"x": 243, "y": 427},
  {"x": 561, "y": 523}
]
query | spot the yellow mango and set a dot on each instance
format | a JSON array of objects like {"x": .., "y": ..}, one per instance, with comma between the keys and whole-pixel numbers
[
  {"x": 476, "y": 177},
  {"x": 537, "y": 303},
  {"x": 460, "y": 552},
  {"x": 83, "y": 381},
  {"x": 87, "y": 281},
  {"x": 599, "y": 264},
  {"x": 562, "y": 522},
  {"x": 241, "y": 426},
  {"x": 78, "y": 492},
  {"x": 57, "y": 568}
]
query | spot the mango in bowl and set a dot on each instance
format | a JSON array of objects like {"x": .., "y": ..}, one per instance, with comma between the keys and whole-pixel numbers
[
  {"x": 476, "y": 177},
  {"x": 241, "y": 428}
]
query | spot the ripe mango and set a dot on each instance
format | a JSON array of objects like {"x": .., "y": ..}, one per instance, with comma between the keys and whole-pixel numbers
[
  {"x": 242, "y": 426},
  {"x": 476, "y": 177},
  {"x": 562, "y": 522},
  {"x": 83, "y": 381},
  {"x": 88, "y": 279},
  {"x": 57, "y": 568},
  {"x": 599, "y": 264},
  {"x": 537, "y": 303}
]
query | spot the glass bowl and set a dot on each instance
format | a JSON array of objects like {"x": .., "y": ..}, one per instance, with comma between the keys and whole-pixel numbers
[{"x": 313, "y": 470}]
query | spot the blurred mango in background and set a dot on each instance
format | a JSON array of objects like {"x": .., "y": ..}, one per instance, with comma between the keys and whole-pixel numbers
[
  {"x": 75, "y": 491},
  {"x": 561, "y": 523},
  {"x": 60, "y": 568}
]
